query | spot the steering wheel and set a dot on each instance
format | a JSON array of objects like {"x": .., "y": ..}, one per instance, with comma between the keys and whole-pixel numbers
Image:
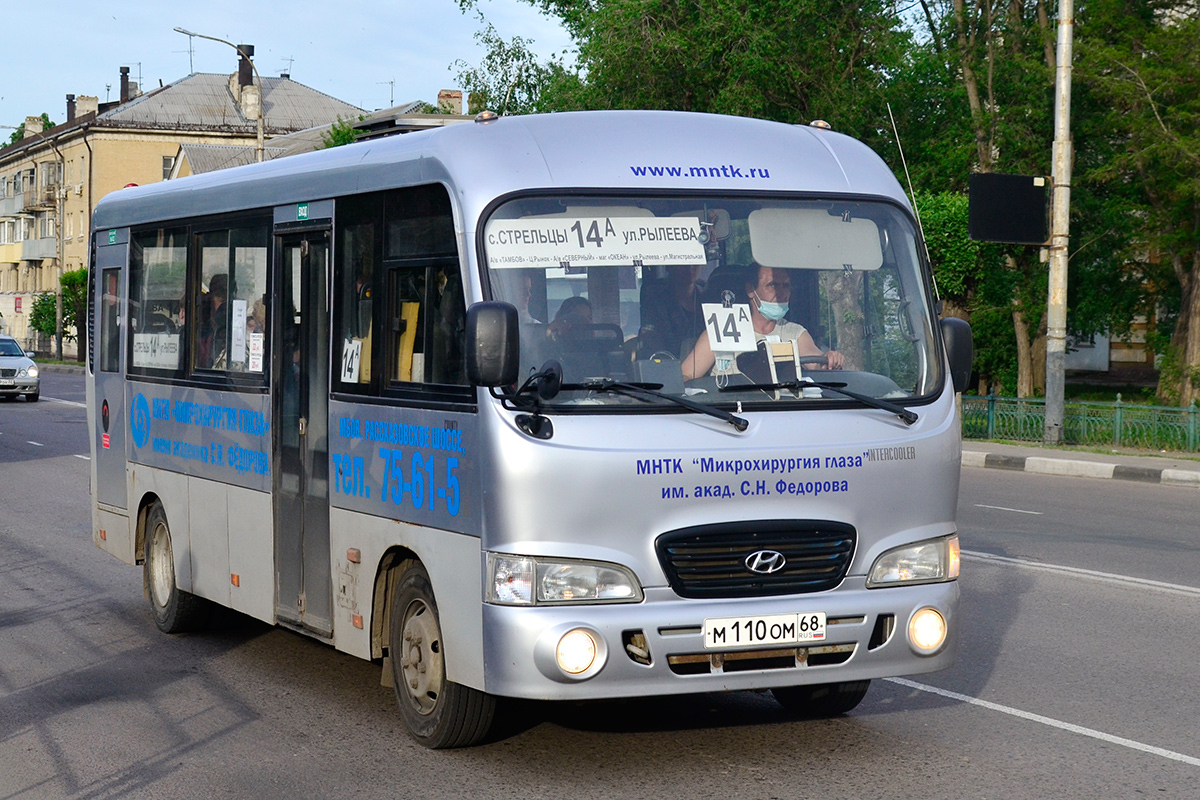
[{"x": 821, "y": 359}]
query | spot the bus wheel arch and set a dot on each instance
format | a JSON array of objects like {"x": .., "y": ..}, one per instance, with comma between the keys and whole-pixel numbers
[{"x": 173, "y": 609}]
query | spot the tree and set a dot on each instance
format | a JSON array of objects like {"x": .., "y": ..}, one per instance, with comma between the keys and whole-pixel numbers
[
  {"x": 340, "y": 132},
  {"x": 510, "y": 80},
  {"x": 43, "y": 316},
  {"x": 792, "y": 61},
  {"x": 74, "y": 289},
  {"x": 974, "y": 283},
  {"x": 19, "y": 134},
  {"x": 1142, "y": 66}
]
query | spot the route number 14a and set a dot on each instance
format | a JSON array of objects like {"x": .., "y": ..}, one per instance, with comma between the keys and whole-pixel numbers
[{"x": 730, "y": 329}]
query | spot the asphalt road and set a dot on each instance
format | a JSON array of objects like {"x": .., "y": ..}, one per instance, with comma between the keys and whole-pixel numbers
[{"x": 1076, "y": 677}]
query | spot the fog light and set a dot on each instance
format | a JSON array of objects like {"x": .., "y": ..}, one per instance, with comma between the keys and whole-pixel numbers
[
  {"x": 927, "y": 630},
  {"x": 576, "y": 652}
]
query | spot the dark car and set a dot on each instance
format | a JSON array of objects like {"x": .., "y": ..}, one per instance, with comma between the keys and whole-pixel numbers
[{"x": 18, "y": 373}]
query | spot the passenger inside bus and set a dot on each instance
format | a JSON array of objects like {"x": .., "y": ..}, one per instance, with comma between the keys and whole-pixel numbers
[
  {"x": 215, "y": 339},
  {"x": 767, "y": 291},
  {"x": 671, "y": 318},
  {"x": 574, "y": 312}
]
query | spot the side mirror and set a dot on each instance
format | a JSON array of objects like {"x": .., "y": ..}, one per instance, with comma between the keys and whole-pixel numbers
[
  {"x": 493, "y": 344},
  {"x": 960, "y": 349}
]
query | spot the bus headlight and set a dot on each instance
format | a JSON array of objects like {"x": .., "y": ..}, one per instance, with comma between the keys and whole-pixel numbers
[
  {"x": 931, "y": 561},
  {"x": 522, "y": 580}
]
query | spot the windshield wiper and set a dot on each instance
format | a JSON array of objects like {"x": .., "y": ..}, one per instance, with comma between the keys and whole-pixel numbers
[
  {"x": 640, "y": 390},
  {"x": 908, "y": 417}
]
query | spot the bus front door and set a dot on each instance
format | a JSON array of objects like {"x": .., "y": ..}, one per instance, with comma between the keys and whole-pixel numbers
[{"x": 304, "y": 584}]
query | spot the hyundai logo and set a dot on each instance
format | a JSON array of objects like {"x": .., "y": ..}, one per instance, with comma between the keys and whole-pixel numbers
[{"x": 765, "y": 562}]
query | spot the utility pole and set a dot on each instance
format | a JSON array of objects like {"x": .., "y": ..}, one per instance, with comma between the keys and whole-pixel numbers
[
  {"x": 262, "y": 88},
  {"x": 1060, "y": 217}
]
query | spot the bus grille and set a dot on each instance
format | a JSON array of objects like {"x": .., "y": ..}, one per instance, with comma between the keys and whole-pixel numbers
[{"x": 710, "y": 561}]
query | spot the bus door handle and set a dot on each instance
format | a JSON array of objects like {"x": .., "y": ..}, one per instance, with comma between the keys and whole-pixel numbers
[{"x": 303, "y": 426}]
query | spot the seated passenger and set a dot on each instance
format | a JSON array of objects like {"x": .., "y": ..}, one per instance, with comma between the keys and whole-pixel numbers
[
  {"x": 670, "y": 309},
  {"x": 573, "y": 313},
  {"x": 768, "y": 291}
]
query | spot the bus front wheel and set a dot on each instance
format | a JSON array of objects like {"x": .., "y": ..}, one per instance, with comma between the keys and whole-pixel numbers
[
  {"x": 174, "y": 610},
  {"x": 437, "y": 712},
  {"x": 822, "y": 700}
]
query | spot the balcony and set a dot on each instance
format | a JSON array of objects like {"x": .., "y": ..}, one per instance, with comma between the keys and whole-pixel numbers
[
  {"x": 43, "y": 198},
  {"x": 37, "y": 249},
  {"x": 11, "y": 205}
]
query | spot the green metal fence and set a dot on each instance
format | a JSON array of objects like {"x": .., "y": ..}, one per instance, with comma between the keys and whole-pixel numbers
[{"x": 1088, "y": 423}]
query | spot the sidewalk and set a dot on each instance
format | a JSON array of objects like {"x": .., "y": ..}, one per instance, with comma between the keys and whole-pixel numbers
[{"x": 1121, "y": 465}]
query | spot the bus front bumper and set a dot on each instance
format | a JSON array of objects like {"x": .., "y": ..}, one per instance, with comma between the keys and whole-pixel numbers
[{"x": 656, "y": 647}]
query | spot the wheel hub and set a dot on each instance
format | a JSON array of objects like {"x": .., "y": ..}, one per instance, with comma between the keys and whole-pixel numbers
[
  {"x": 162, "y": 566},
  {"x": 421, "y": 657}
]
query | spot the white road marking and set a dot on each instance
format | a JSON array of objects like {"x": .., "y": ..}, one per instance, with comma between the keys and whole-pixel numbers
[
  {"x": 65, "y": 402},
  {"x": 1103, "y": 577},
  {"x": 1004, "y": 508},
  {"x": 85, "y": 458},
  {"x": 1051, "y": 722},
  {"x": 36, "y": 444}
]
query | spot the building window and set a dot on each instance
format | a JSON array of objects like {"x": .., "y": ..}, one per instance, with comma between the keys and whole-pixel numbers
[{"x": 168, "y": 164}]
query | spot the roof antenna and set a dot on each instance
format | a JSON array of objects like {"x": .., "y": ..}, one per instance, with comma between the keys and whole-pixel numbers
[{"x": 913, "y": 199}]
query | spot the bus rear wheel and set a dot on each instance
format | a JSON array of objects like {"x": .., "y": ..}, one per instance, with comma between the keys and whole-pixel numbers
[
  {"x": 174, "y": 610},
  {"x": 437, "y": 712},
  {"x": 823, "y": 699}
]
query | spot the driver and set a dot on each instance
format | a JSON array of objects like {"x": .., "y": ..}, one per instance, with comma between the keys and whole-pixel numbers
[{"x": 768, "y": 290}]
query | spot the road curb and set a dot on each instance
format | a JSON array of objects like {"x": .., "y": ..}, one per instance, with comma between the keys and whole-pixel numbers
[
  {"x": 69, "y": 368},
  {"x": 1081, "y": 469}
]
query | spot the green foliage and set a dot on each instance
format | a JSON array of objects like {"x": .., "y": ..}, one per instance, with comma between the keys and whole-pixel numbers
[
  {"x": 19, "y": 134},
  {"x": 43, "y": 316},
  {"x": 1140, "y": 81},
  {"x": 510, "y": 80},
  {"x": 74, "y": 290},
  {"x": 974, "y": 278},
  {"x": 340, "y": 133}
]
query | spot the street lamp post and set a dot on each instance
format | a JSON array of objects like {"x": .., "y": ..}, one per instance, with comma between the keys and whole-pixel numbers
[{"x": 262, "y": 100}]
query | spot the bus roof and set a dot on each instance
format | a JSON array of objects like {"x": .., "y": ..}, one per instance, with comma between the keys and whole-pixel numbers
[{"x": 621, "y": 150}]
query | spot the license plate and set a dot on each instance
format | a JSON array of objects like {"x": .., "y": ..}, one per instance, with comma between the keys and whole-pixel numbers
[
  {"x": 770, "y": 629},
  {"x": 7, "y": 382}
]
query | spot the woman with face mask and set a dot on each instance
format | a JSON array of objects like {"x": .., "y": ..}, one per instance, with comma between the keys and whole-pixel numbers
[{"x": 769, "y": 291}]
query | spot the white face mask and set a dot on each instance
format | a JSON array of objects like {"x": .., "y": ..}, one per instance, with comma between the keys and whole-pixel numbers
[{"x": 770, "y": 310}]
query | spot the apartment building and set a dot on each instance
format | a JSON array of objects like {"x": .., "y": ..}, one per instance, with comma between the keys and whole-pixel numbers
[{"x": 52, "y": 179}]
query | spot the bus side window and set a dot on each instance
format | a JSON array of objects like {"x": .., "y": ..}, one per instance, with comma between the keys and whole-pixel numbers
[
  {"x": 354, "y": 297},
  {"x": 110, "y": 322},
  {"x": 157, "y": 284},
  {"x": 231, "y": 308}
]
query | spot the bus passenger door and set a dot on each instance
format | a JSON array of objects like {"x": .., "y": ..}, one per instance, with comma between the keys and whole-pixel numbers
[
  {"x": 304, "y": 593},
  {"x": 109, "y": 348}
]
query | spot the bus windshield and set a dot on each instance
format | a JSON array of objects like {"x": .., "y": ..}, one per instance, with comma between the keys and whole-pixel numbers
[{"x": 717, "y": 299}]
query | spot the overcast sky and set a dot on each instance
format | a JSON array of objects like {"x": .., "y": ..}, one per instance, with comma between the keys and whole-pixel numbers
[{"x": 349, "y": 49}]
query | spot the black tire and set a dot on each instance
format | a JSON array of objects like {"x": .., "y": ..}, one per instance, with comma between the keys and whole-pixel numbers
[
  {"x": 438, "y": 713},
  {"x": 822, "y": 699},
  {"x": 174, "y": 610},
  {"x": 33, "y": 398}
]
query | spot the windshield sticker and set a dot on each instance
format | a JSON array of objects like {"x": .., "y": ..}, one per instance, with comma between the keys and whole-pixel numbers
[{"x": 593, "y": 242}]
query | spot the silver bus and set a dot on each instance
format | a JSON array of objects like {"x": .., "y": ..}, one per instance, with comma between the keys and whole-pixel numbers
[{"x": 563, "y": 407}]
